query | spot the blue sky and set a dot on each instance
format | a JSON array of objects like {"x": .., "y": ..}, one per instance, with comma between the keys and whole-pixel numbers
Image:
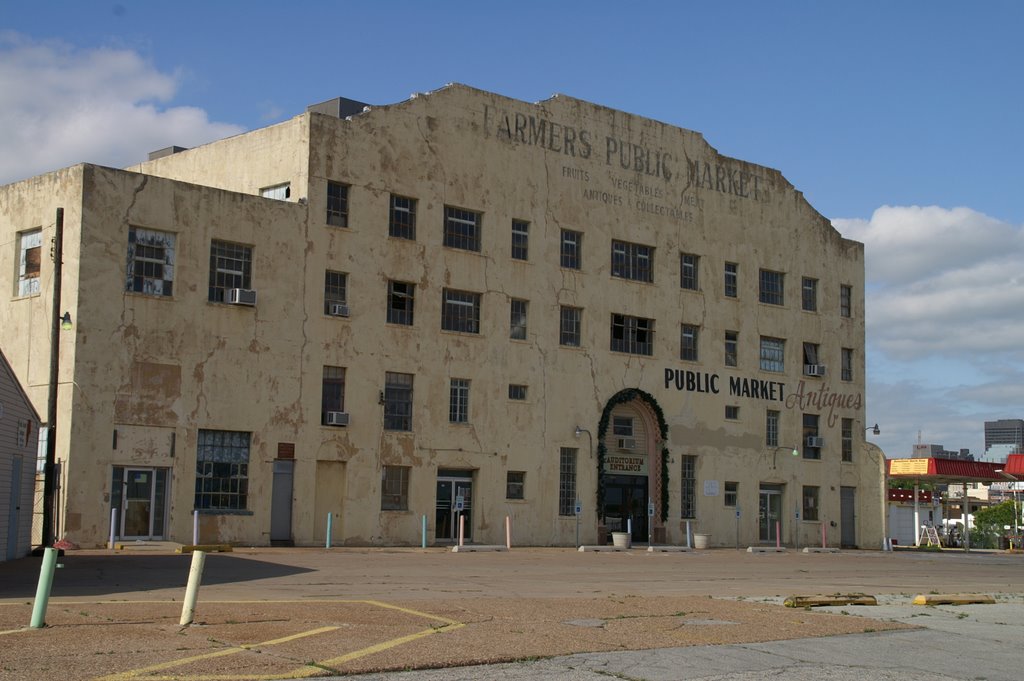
[{"x": 900, "y": 121}]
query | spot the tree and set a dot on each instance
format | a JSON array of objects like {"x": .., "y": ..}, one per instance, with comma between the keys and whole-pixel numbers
[{"x": 989, "y": 523}]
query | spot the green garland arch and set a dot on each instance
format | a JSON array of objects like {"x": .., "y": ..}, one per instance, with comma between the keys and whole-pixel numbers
[{"x": 621, "y": 397}]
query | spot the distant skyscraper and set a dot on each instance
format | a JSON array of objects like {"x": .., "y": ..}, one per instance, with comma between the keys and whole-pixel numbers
[{"x": 1004, "y": 436}]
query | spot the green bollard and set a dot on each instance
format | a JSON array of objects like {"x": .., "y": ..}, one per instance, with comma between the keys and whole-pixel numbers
[{"x": 46, "y": 570}]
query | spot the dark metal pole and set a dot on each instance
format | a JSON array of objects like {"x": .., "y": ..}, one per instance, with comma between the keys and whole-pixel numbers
[{"x": 49, "y": 482}]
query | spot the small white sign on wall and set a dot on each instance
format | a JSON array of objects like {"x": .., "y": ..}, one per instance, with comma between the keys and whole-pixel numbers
[{"x": 711, "y": 488}]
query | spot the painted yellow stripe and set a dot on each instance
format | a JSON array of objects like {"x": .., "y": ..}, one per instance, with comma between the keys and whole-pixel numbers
[{"x": 389, "y": 644}]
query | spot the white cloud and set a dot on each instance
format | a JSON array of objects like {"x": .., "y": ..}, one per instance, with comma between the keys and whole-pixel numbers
[
  {"x": 943, "y": 282},
  {"x": 62, "y": 106}
]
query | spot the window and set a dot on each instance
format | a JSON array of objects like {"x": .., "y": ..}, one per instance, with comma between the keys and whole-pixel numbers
[
  {"x": 150, "y": 262},
  {"x": 688, "y": 343},
  {"x": 811, "y": 366},
  {"x": 845, "y": 300},
  {"x": 634, "y": 335},
  {"x": 402, "y": 218},
  {"x": 460, "y": 311},
  {"x": 29, "y": 260},
  {"x": 688, "y": 263},
  {"x": 515, "y": 481},
  {"x": 731, "y": 279},
  {"x": 222, "y": 470},
  {"x": 572, "y": 244},
  {"x": 622, "y": 426},
  {"x": 732, "y": 412},
  {"x": 401, "y": 296},
  {"x": 337, "y": 204},
  {"x": 732, "y": 345},
  {"x": 771, "y": 428},
  {"x": 810, "y": 502},
  {"x": 230, "y": 267},
  {"x": 458, "y": 401},
  {"x": 520, "y": 240},
  {"x": 773, "y": 354},
  {"x": 335, "y": 292},
  {"x": 333, "y": 399},
  {"x": 569, "y": 326},
  {"x": 688, "y": 491},
  {"x": 772, "y": 287},
  {"x": 567, "y": 481},
  {"x": 846, "y": 368},
  {"x": 518, "y": 321},
  {"x": 461, "y": 229},
  {"x": 397, "y": 401},
  {"x": 516, "y": 392},
  {"x": 632, "y": 261},
  {"x": 812, "y": 449},
  {"x": 809, "y": 299},
  {"x": 394, "y": 488},
  {"x": 847, "y": 440},
  {"x": 732, "y": 493},
  {"x": 281, "y": 192}
]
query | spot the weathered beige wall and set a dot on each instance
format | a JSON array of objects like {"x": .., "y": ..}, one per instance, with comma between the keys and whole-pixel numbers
[{"x": 185, "y": 364}]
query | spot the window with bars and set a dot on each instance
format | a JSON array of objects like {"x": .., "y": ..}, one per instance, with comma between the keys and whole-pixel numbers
[
  {"x": 516, "y": 392},
  {"x": 632, "y": 261},
  {"x": 394, "y": 488},
  {"x": 811, "y": 493},
  {"x": 771, "y": 428},
  {"x": 401, "y": 300},
  {"x": 688, "y": 490},
  {"x": 460, "y": 311},
  {"x": 773, "y": 354},
  {"x": 150, "y": 262},
  {"x": 732, "y": 412},
  {"x": 462, "y": 228},
  {"x": 771, "y": 287},
  {"x": 570, "y": 326},
  {"x": 731, "y": 279},
  {"x": 337, "y": 204},
  {"x": 809, "y": 298},
  {"x": 634, "y": 335},
  {"x": 688, "y": 342},
  {"x": 688, "y": 271},
  {"x": 402, "y": 217},
  {"x": 732, "y": 348},
  {"x": 458, "y": 401},
  {"x": 846, "y": 364},
  {"x": 397, "y": 401},
  {"x": 518, "y": 319},
  {"x": 846, "y": 300},
  {"x": 222, "y": 470},
  {"x": 335, "y": 291},
  {"x": 230, "y": 267},
  {"x": 333, "y": 393},
  {"x": 572, "y": 249},
  {"x": 515, "y": 484},
  {"x": 29, "y": 261},
  {"x": 567, "y": 481},
  {"x": 732, "y": 493},
  {"x": 847, "y": 440},
  {"x": 520, "y": 240}
]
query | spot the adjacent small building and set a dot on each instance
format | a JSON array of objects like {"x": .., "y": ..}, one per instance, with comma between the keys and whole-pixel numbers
[
  {"x": 19, "y": 438},
  {"x": 385, "y": 318}
]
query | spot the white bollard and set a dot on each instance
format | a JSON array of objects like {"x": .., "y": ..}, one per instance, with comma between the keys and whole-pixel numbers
[
  {"x": 508, "y": 532},
  {"x": 113, "y": 526},
  {"x": 195, "y": 576},
  {"x": 195, "y": 528},
  {"x": 462, "y": 528}
]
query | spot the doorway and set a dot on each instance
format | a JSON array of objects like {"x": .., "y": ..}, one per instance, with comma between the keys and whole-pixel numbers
[
  {"x": 281, "y": 503},
  {"x": 454, "y": 488},
  {"x": 625, "y": 505},
  {"x": 848, "y": 516},
  {"x": 140, "y": 495},
  {"x": 769, "y": 513}
]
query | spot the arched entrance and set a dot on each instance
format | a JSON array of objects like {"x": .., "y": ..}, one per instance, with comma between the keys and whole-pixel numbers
[{"x": 632, "y": 467}]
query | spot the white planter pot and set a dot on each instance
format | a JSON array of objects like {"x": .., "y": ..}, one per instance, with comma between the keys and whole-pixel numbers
[
  {"x": 620, "y": 540},
  {"x": 700, "y": 541}
]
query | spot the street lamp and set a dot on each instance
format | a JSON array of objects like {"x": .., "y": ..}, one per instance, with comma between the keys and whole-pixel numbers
[
  {"x": 775, "y": 452},
  {"x": 589, "y": 437},
  {"x": 875, "y": 430},
  {"x": 1015, "y": 480}
]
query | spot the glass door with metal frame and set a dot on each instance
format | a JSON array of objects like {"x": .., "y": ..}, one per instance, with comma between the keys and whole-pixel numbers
[
  {"x": 453, "y": 488},
  {"x": 140, "y": 495},
  {"x": 769, "y": 513}
]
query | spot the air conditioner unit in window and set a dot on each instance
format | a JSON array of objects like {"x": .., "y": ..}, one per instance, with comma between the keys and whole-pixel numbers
[
  {"x": 815, "y": 441},
  {"x": 814, "y": 369},
  {"x": 626, "y": 443},
  {"x": 241, "y": 296},
  {"x": 337, "y": 418},
  {"x": 339, "y": 310}
]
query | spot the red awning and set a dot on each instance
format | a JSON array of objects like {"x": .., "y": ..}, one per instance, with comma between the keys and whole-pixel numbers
[
  {"x": 946, "y": 470},
  {"x": 1014, "y": 465}
]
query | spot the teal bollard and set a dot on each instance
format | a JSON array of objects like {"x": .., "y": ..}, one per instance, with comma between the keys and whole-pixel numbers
[{"x": 46, "y": 570}]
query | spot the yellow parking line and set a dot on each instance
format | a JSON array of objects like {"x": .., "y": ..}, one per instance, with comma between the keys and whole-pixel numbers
[{"x": 388, "y": 644}]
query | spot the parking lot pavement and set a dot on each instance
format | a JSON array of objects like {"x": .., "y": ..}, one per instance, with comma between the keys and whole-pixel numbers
[{"x": 296, "y": 613}]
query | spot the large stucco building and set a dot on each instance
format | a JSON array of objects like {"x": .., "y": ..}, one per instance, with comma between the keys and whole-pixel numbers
[{"x": 376, "y": 313}]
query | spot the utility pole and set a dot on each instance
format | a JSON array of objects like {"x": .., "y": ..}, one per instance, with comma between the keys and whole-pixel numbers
[{"x": 49, "y": 468}]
